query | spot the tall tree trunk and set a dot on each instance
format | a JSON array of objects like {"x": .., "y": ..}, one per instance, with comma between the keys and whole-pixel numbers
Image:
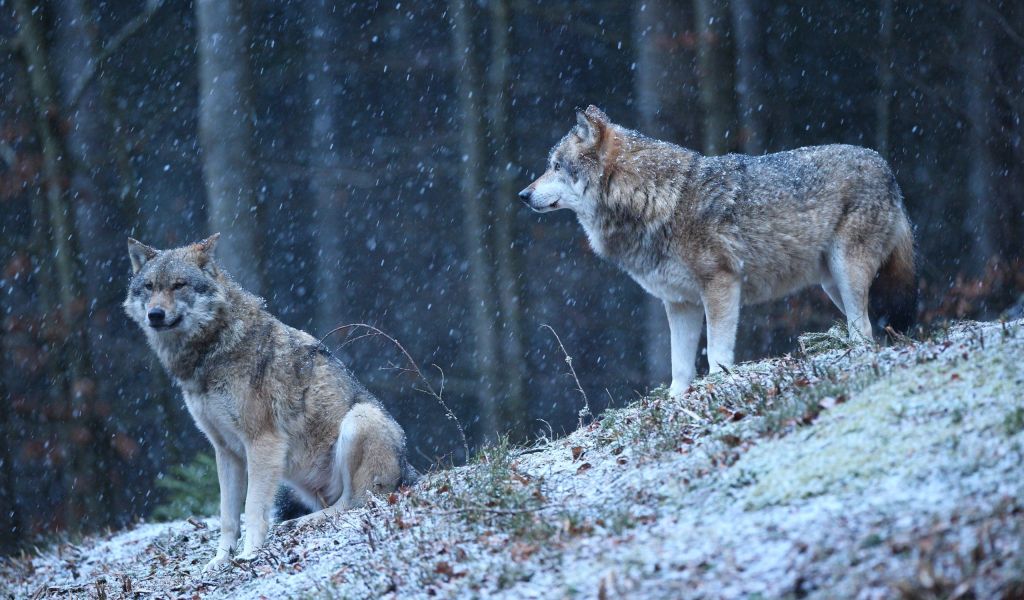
[
  {"x": 93, "y": 191},
  {"x": 226, "y": 115},
  {"x": 651, "y": 27},
  {"x": 325, "y": 161},
  {"x": 10, "y": 526},
  {"x": 883, "y": 101},
  {"x": 713, "y": 70},
  {"x": 981, "y": 202},
  {"x": 750, "y": 73},
  {"x": 780, "y": 59},
  {"x": 84, "y": 479},
  {"x": 509, "y": 273},
  {"x": 474, "y": 226}
]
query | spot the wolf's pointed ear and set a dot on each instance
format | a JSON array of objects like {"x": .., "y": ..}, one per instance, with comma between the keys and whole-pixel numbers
[
  {"x": 591, "y": 125},
  {"x": 204, "y": 250},
  {"x": 208, "y": 244},
  {"x": 140, "y": 254}
]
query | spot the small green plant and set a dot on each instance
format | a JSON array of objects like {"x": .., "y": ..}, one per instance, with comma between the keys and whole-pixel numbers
[
  {"x": 189, "y": 490},
  {"x": 836, "y": 338},
  {"x": 1013, "y": 423}
]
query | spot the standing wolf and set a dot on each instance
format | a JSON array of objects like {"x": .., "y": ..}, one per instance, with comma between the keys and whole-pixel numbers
[
  {"x": 706, "y": 234},
  {"x": 272, "y": 400}
]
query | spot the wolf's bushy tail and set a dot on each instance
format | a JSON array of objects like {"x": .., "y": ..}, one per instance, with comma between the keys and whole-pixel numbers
[{"x": 894, "y": 292}]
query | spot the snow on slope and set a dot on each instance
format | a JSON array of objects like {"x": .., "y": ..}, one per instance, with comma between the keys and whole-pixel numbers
[{"x": 856, "y": 472}]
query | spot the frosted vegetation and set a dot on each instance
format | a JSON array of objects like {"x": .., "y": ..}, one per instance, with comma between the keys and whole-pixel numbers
[{"x": 847, "y": 472}]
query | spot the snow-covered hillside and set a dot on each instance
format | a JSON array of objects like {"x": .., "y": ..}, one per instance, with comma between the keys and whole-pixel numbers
[{"x": 853, "y": 472}]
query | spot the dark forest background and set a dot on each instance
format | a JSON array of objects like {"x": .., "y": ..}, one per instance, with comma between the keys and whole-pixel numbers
[{"x": 361, "y": 160}]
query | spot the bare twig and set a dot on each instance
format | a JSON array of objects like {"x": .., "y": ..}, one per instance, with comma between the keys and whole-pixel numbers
[
  {"x": 437, "y": 395},
  {"x": 1008, "y": 29},
  {"x": 585, "y": 411},
  {"x": 196, "y": 523},
  {"x": 113, "y": 44}
]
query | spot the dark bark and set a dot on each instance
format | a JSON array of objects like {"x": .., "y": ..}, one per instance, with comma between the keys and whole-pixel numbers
[
  {"x": 485, "y": 349},
  {"x": 981, "y": 201},
  {"x": 750, "y": 72},
  {"x": 85, "y": 483},
  {"x": 508, "y": 271},
  {"x": 226, "y": 132},
  {"x": 714, "y": 74},
  {"x": 326, "y": 185},
  {"x": 883, "y": 101}
]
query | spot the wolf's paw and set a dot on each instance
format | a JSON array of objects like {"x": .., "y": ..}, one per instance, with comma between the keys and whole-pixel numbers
[
  {"x": 222, "y": 558},
  {"x": 678, "y": 389},
  {"x": 246, "y": 556},
  {"x": 300, "y": 522}
]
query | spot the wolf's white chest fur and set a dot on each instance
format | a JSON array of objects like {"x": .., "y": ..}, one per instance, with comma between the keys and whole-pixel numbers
[
  {"x": 213, "y": 414},
  {"x": 671, "y": 281}
]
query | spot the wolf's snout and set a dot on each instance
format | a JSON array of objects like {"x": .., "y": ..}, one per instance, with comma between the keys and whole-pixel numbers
[
  {"x": 156, "y": 316},
  {"x": 525, "y": 194}
]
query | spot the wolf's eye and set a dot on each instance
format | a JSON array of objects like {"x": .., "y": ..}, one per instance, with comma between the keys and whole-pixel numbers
[
  {"x": 177, "y": 285},
  {"x": 148, "y": 285}
]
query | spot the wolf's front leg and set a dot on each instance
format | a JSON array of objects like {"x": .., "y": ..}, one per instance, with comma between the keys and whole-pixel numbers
[
  {"x": 231, "y": 478},
  {"x": 265, "y": 459},
  {"x": 721, "y": 297},
  {"x": 684, "y": 323}
]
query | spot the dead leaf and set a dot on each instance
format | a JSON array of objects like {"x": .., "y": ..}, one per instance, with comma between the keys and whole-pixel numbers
[
  {"x": 731, "y": 440},
  {"x": 585, "y": 466},
  {"x": 577, "y": 452}
]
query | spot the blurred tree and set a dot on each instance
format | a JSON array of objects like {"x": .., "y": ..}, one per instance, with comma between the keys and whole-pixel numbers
[
  {"x": 883, "y": 99},
  {"x": 85, "y": 440},
  {"x": 750, "y": 72},
  {"x": 504, "y": 212},
  {"x": 226, "y": 115},
  {"x": 475, "y": 233},
  {"x": 979, "y": 107},
  {"x": 714, "y": 72},
  {"x": 10, "y": 524},
  {"x": 325, "y": 160}
]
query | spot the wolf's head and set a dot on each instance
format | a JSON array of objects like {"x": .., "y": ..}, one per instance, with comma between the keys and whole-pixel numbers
[
  {"x": 576, "y": 166},
  {"x": 174, "y": 293}
]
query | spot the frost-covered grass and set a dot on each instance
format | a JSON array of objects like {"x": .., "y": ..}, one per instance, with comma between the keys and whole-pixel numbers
[{"x": 852, "y": 472}]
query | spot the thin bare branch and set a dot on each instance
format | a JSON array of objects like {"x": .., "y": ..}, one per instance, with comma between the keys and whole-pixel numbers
[
  {"x": 113, "y": 44},
  {"x": 415, "y": 369},
  {"x": 585, "y": 412},
  {"x": 1008, "y": 28}
]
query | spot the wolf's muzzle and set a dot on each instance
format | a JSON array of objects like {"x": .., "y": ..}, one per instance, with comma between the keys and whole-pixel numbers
[
  {"x": 525, "y": 194},
  {"x": 156, "y": 316}
]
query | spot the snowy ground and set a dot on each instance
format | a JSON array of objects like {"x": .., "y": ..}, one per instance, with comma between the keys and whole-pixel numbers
[{"x": 857, "y": 472}]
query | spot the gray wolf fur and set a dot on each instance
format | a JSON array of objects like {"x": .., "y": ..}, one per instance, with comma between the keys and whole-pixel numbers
[
  {"x": 707, "y": 234},
  {"x": 275, "y": 405}
]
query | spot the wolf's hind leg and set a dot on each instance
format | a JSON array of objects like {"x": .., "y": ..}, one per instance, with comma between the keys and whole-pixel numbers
[
  {"x": 852, "y": 275},
  {"x": 684, "y": 322},
  {"x": 365, "y": 460},
  {"x": 721, "y": 297},
  {"x": 367, "y": 454},
  {"x": 833, "y": 294}
]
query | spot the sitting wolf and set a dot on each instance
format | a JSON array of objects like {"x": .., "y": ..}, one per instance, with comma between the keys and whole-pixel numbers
[
  {"x": 706, "y": 234},
  {"x": 272, "y": 400}
]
